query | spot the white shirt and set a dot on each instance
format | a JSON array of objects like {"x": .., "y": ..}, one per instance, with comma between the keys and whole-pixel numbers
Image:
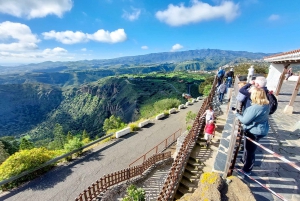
[
  {"x": 250, "y": 71},
  {"x": 209, "y": 115}
]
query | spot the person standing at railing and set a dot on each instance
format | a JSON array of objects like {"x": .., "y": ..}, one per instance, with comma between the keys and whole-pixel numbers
[
  {"x": 289, "y": 73},
  {"x": 255, "y": 126},
  {"x": 259, "y": 82},
  {"x": 229, "y": 77},
  {"x": 220, "y": 75},
  {"x": 222, "y": 89},
  {"x": 250, "y": 74}
]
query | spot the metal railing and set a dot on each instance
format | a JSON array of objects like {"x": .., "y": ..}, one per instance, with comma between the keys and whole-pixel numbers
[
  {"x": 172, "y": 181},
  {"x": 52, "y": 161},
  {"x": 158, "y": 148},
  {"x": 102, "y": 184}
]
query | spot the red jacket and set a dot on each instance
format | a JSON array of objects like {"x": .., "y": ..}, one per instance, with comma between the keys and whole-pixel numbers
[{"x": 209, "y": 128}]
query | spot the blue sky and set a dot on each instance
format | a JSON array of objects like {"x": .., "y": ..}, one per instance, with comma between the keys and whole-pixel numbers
[{"x": 64, "y": 30}]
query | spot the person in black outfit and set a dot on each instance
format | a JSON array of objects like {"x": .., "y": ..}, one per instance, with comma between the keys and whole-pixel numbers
[{"x": 229, "y": 76}]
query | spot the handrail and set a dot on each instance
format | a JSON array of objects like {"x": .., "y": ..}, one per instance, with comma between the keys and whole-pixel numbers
[
  {"x": 102, "y": 184},
  {"x": 172, "y": 181},
  {"x": 54, "y": 160},
  {"x": 158, "y": 149}
]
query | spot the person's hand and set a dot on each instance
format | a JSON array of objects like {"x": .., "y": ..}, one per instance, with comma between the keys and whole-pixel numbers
[{"x": 252, "y": 82}]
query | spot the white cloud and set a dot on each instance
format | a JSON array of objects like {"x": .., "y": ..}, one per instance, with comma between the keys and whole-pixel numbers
[
  {"x": 70, "y": 37},
  {"x": 197, "y": 12},
  {"x": 274, "y": 17},
  {"x": 84, "y": 49},
  {"x": 176, "y": 47},
  {"x": 132, "y": 16},
  {"x": 35, "y": 8},
  {"x": 145, "y": 47},
  {"x": 16, "y": 37},
  {"x": 66, "y": 37}
]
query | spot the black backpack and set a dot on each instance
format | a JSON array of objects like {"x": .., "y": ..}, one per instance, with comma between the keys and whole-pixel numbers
[{"x": 272, "y": 102}]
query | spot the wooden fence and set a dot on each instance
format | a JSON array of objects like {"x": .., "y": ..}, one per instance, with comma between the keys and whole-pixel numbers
[
  {"x": 172, "y": 181},
  {"x": 102, "y": 184},
  {"x": 158, "y": 148}
]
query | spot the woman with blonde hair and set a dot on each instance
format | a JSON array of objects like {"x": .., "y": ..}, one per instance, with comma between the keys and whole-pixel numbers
[{"x": 255, "y": 125}]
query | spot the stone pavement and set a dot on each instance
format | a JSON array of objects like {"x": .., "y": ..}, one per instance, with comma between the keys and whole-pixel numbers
[{"x": 283, "y": 139}]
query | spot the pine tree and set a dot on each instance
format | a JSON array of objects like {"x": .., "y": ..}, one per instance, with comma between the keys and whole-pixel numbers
[
  {"x": 69, "y": 136},
  {"x": 59, "y": 136},
  {"x": 26, "y": 144},
  {"x": 3, "y": 153}
]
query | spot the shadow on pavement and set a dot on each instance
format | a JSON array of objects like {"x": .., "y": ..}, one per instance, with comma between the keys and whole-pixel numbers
[{"x": 57, "y": 174}]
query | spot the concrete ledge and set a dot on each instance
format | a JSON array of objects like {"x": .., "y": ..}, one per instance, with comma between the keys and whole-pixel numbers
[
  {"x": 188, "y": 103},
  {"x": 199, "y": 98},
  {"x": 181, "y": 106},
  {"x": 173, "y": 110},
  {"x": 193, "y": 101},
  {"x": 160, "y": 116},
  {"x": 293, "y": 78},
  {"x": 122, "y": 132},
  {"x": 144, "y": 123},
  {"x": 288, "y": 109}
]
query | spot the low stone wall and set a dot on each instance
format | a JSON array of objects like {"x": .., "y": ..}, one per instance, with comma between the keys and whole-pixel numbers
[
  {"x": 220, "y": 160},
  {"x": 181, "y": 106},
  {"x": 173, "y": 110},
  {"x": 144, "y": 123},
  {"x": 160, "y": 116},
  {"x": 123, "y": 132}
]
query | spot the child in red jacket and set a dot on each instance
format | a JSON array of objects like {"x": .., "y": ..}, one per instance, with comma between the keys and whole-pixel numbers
[{"x": 209, "y": 132}]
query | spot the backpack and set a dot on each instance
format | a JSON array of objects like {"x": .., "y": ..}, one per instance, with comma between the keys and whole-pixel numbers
[{"x": 272, "y": 102}]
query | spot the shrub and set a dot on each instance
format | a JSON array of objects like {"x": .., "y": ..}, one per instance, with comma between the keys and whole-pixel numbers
[
  {"x": 134, "y": 194},
  {"x": 190, "y": 116},
  {"x": 206, "y": 90},
  {"x": 166, "y": 104},
  {"x": 189, "y": 127},
  {"x": 25, "y": 160},
  {"x": 133, "y": 127},
  {"x": 73, "y": 144}
]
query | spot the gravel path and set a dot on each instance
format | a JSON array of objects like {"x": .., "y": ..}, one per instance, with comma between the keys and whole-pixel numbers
[{"x": 67, "y": 181}]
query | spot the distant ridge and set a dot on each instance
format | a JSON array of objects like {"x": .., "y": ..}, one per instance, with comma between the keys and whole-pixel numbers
[{"x": 203, "y": 55}]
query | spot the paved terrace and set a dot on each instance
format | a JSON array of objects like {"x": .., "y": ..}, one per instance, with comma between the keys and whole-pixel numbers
[
  {"x": 65, "y": 182},
  {"x": 284, "y": 139}
]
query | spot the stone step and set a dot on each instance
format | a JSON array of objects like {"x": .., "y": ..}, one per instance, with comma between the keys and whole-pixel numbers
[
  {"x": 178, "y": 195},
  {"x": 188, "y": 184},
  {"x": 192, "y": 170},
  {"x": 192, "y": 162},
  {"x": 182, "y": 189},
  {"x": 190, "y": 176}
]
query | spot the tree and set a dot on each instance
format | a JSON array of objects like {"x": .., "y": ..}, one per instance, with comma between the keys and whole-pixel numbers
[
  {"x": 113, "y": 123},
  {"x": 3, "y": 153},
  {"x": 73, "y": 144},
  {"x": 59, "y": 136},
  {"x": 26, "y": 144},
  {"x": 69, "y": 136},
  {"x": 85, "y": 137}
]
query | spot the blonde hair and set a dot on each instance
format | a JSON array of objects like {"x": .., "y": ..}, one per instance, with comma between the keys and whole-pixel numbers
[
  {"x": 242, "y": 83},
  {"x": 259, "y": 97}
]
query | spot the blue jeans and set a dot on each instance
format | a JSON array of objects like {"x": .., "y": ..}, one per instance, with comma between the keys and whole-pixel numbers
[
  {"x": 229, "y": 82},
  {"x": 221, "y": 95}
]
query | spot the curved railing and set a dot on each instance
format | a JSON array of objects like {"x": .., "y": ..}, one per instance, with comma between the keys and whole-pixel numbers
[
  {"x": 172, "y": 181},
  {"x": 102, "y": 184}
]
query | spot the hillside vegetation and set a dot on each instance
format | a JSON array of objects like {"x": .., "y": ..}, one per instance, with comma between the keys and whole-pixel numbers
[{"x": 34, "y": 109}]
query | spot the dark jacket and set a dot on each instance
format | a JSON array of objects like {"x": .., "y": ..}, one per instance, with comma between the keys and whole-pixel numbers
[
  {"x": 230, "y": 74},
  {"x": 245, "y": 91}
]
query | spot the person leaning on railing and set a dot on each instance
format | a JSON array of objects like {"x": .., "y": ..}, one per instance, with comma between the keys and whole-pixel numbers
[{"x": 255, "y": 125}]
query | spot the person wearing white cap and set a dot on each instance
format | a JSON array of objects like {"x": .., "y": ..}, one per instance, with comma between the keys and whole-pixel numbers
[{"x": 250, "y": 74}]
